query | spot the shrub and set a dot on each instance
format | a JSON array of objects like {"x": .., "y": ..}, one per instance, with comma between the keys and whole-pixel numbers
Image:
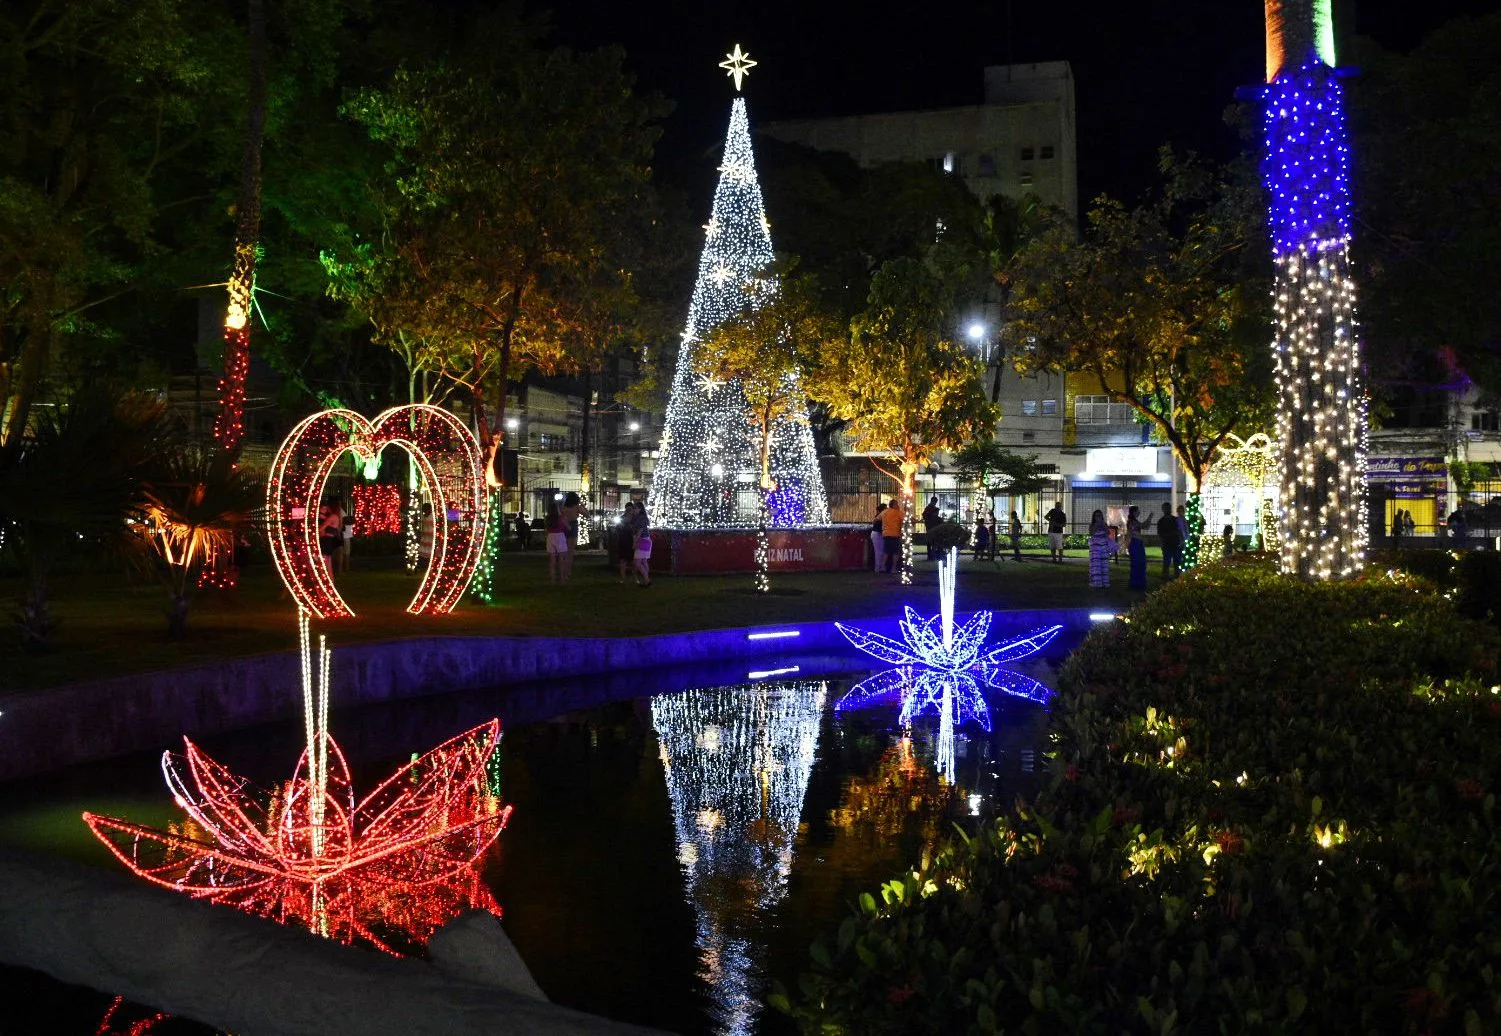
[{"x": 1270, "y": 808}]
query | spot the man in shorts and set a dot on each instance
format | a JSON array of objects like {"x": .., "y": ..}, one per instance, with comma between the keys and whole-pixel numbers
[{"x": 1057, "y": 522}]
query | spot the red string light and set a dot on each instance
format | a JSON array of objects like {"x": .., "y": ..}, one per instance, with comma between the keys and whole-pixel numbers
[
  {"x": 401, "y": 862},
  {"x": 377, "y": 508},
  {"x": 229, "y": 425},
  {"x": 449, "y": 459}
]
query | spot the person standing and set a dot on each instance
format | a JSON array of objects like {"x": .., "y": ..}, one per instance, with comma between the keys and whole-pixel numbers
[
  {"x": 425, "y": 532},
  {"x": 346, "y": 531},
  {"x": 875, "y": 538},
  {"x": 1015, "y": 531},
  {"x": 1171, "y": 541},
  {"x": 1182, "y": 534},
  {"x": 523, "y": 531},
  {"x": 330, "y": 532},
  {"x": 891, "y": 534},
  {"x": 1100, "y": 550},
  {"x": 982, "y": 535},
  {"x": 930, "y": 519},
  {"x": 1136, "y": 549},
  {"x": 641, "y": 544},
  {"x": 1057, "y": 521},
  {"x": 572, "y": 509},
  {"x": 559, "y": 559},
  {"x": 623, "y": 540}
]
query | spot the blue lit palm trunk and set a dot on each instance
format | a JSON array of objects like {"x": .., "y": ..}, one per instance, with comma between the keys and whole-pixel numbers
[{"x": 1321, "y": 419}]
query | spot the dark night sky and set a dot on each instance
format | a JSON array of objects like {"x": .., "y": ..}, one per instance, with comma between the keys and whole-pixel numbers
[{"x": 1146, "y": 73}]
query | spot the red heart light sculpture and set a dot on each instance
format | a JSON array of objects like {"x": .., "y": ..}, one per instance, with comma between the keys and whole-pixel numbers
[{"x": 445, "y": 452}]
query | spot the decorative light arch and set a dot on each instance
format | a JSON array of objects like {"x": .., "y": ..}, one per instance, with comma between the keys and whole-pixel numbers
[{"x": 445, "y": 452}]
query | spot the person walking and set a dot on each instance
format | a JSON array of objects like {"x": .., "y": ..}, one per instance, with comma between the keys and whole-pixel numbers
[
  {"x": 1015, "y": 531},
  {"x": 1057, "y": 521},
  {"x": 930, "y": 519},
  {"x": 875, "y": 538},
  {"x": 1136, "y": 549},
  {"x": 891, "y": 534},
  {"x": 1171, "y": 542},
  {"x": 1101, "y": 548}
]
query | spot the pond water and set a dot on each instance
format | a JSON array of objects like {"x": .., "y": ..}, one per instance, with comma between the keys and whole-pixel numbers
[{"x": 679, "y": 839}]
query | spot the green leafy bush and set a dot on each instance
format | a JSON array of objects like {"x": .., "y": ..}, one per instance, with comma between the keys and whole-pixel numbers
[{"x": 1271, "y": 808}]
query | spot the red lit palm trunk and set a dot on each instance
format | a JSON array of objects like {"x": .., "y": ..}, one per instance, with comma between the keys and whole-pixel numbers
[{"x": 229, "y": 426}]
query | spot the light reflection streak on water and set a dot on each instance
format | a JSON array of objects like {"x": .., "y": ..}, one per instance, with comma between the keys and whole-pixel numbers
[{"x": 737, "y": 761}]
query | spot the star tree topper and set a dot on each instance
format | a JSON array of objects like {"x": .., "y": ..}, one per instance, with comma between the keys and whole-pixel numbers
[{"x": 737, "y": 65}]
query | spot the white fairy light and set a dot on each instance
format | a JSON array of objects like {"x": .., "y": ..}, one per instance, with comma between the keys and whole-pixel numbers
[
  {"x": 688, "y": 486},
  {"x": 748, "y": 781}
]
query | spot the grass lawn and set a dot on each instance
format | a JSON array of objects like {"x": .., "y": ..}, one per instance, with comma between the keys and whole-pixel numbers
[{"x": 110, "y": 624}]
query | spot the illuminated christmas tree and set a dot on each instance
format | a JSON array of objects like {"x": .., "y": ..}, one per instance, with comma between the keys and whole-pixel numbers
[
  {"x": 708, "y": 467},
  {"x": 737, "y": 761},
  {"x": 1321, "y": 419}
]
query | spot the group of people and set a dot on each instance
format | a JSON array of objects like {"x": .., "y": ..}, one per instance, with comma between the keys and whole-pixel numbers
[
  {"x": 1402, "y": 524},
  {"x": 335, "y": 530},
  {"x": 630, "y": 546},
  {"x": 1107, "y": 541},
  {"x": 886, "y": 533}
]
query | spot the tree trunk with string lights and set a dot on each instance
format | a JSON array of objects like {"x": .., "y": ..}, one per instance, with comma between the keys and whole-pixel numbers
[
  {"x": 1321, "y": 418},
  {"x": 229, "y": 426}
]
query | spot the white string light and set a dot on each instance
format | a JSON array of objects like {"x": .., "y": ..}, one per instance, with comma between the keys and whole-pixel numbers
[
  {"x": 737, "y": 761},
  {"x": 707, "y": 472}
]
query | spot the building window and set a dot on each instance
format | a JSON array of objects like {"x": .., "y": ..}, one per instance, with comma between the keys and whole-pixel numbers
[
  {"x": 949, "y": 162},
  {"x": 1029, "y": 436},
  {"x": 1027, "y": 154},
  {"x": 1049, "y": 408},
  {"x": 1099, "y": 410},
  {"x": 1029, "y": 408},
  {"x": 987, "y": 165},
  {"x": 1025, "y": 179},
  {"x": 1046, "y": 151},
  {"x": 1485, "y": 421}
]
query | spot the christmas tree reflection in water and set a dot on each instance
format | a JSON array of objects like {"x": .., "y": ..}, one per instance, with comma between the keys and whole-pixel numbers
[{"x": 737, "y": 761}]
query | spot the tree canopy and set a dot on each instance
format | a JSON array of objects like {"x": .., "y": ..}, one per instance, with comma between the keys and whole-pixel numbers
[
  {"x": 1426, "y": 138},
  {"x": 1164, "y": 306},
  {"x": 512, "y": 173},
  {"x": 906, "y": 388}
]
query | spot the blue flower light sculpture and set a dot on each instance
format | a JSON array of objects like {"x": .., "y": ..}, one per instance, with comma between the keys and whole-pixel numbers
[{"x": 940, "y": 666}]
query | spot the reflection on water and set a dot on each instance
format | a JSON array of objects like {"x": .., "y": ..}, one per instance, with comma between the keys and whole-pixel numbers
[
  {"x": 669, "y": 855},
  {"x": 399, "y": 862},
  {"x": 737, "y": 761}
]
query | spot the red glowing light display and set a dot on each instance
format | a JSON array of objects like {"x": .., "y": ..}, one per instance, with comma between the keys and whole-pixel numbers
[
  {"x": 229, "y": 425},
  {"x": 396, "y": 865},
  {"x": 449, "y": 459},
  {"x": 377, "y": 508}
]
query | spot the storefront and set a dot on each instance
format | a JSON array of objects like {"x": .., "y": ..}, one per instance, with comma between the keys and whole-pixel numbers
[
  {"x": 1417, "y": 485},
  {"x": 1114, "y": 479}
]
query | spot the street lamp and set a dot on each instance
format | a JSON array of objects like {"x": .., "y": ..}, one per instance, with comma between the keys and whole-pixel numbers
[{"x": 976, "y": 332}]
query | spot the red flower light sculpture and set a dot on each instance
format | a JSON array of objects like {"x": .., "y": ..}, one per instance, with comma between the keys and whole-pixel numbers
[{"x": 400, "y": 861}]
